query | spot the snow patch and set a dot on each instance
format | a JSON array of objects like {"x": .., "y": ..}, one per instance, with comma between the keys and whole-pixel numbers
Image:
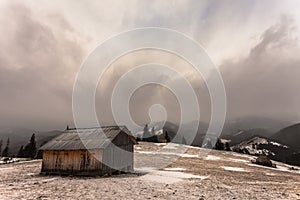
[
  {"x": 192, "y": 147},
  {"x": 211, "y": 157},
  {"x": 238, "y": 160},
  {"x": 169, "y": 177},
  {"x": 279, "y": 167},
  {"x": 277, "y": 144},
  {"x": 270, "y": 174},
  {"x": 7, "y": 168},
  {"x": 170, "y": 146},
  {"x": 160, "y": 144},
  {"x": 146, "y": 152},
  {"x": 188, "y": 155},
  {"x": 224, "y": 140},
  {"x": 175, "y": 169},
  {"x": 145, "y": 169},
  {"x": 235, "y": 169},
  {"x": 159, "y": 132},
  {"x": 49, "y": 180},
  {"x": 168, "y": 153}
]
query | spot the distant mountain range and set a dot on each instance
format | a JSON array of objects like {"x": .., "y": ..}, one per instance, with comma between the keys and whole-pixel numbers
[
  {"x": 246, "y": 123},
  {"x": 254, "y": 134},
  {"x": 244, "y": 135},
  {"x": 281, "y": 145}
]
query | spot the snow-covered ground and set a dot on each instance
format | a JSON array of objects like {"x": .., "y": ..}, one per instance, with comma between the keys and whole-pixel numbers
[{"x": 220, "y": 175}]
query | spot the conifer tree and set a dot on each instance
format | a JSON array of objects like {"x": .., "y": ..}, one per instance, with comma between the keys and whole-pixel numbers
[
  {"x": 21, "y": 152},
  {"x": 1, "y": 142},
  {"x": 6, "y": 149},
  {"x": 152, "y": 131},
  {"x": 146, "y": 134},
  {"x": 30, "y": 149},
  {"x": 227, "y": 146},
  {"x": 219, "y": 145},
  {"x": 167, "y": 137}
]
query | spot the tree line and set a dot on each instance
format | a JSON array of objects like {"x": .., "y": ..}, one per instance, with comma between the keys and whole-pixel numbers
[
  {"x": 27, "y": 151},
  {"x": 150, "y": 136}
]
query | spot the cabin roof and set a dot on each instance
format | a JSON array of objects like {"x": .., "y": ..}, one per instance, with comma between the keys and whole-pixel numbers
[{"x": 86, "y": 138}]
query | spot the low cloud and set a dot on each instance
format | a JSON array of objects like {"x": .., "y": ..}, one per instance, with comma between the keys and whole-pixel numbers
[
  {"x": 37, "y": 68},
  {"x": 267, "y": 80},
  {"x": 41, "y": 54}
]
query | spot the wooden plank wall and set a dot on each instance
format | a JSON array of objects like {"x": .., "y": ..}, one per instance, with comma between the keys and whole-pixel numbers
[
  {"x": 72, "y": 161},
  {"x": 119, "y": 155}
]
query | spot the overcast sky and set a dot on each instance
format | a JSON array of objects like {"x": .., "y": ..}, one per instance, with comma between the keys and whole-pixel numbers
[{"x": 253, "y": 43}]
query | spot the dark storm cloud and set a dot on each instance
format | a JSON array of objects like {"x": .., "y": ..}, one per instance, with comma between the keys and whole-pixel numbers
[
  {"x": 40, "y": 56},
  {"x": 262, "y": 84},
  {"x": 35, "y": 76},
  {"x": 267, "y": 81}
]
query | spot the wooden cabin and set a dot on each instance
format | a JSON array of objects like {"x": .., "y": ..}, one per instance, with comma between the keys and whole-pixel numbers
[{"x": 90, "y": 151}]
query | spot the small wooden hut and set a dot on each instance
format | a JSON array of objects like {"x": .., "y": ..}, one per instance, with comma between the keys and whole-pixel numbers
[{"x": 90, "y": 151}]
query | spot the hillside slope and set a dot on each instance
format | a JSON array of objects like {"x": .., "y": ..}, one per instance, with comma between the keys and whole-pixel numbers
[
  {"x": 244, "y": 135},
  {"x": 259, "y": 145},
  {"x": 289, "y": 136},
  {"x": 191, "y": 175}
]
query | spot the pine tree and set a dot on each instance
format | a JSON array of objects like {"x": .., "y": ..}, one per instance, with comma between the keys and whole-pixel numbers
[
  {"x": 152, "y": 131},
  {"x": 21, "y": 152},
  {"x": 39, "y": 154},
  {"x": 6, "y": 149},
  {"x": 227, "y": 146},
  {"x": 1, "y": 142},
  {"x": 30, "y": 149},
  {"x": 167, "y": 137},
  {"x": 146, "y": 134},
  {"x": 219, "y": 145}
]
